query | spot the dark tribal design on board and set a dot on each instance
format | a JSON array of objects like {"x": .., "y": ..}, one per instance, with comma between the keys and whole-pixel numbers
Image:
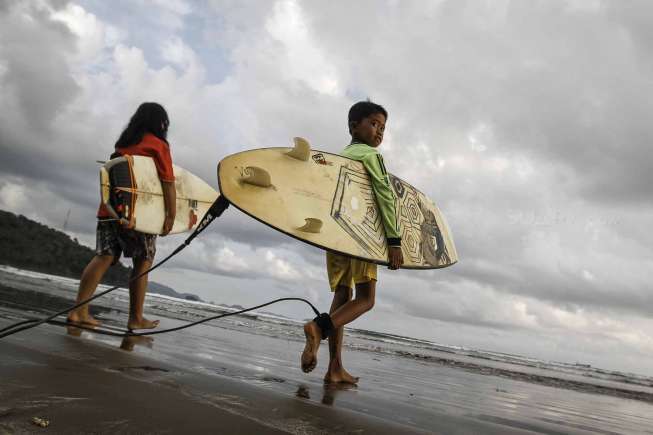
[
  {"x": 422, "y": 239},
  {"x": 434, "y": 249},
  {"x": 354, "y": 209}
]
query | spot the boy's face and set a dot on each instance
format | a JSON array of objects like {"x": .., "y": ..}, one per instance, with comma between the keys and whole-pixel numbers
[{"x": 369, "y": 130}]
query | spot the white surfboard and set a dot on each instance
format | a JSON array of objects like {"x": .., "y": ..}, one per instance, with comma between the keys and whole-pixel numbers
[{"x": 131, "y": 191}]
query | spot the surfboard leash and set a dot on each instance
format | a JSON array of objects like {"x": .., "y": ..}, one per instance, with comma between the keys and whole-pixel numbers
[
  {"x": 129, "y": 333},
  {"x": 28, "y": 324},
  {"x": 216, "y": 209}
]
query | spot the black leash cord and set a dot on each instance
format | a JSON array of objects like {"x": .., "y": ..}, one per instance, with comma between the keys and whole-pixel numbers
[
  {"x": 179, "y": 328},
  {"x": 216, "y": 209},
  {"x": 28, "y": 324}
]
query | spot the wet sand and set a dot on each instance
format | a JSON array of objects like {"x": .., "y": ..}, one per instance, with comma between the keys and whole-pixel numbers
[
  {"x": 550, "y": 381},
  {"x": 241, "y": 375},
  {"x": 83, "y": 386}
]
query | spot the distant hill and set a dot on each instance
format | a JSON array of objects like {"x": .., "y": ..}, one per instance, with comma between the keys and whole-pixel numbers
[
  {"x": 161, "y": 289},
  {"x": 27, "y": 244}
]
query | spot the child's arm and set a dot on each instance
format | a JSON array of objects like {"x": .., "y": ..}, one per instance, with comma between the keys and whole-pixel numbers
[
  {"x": 160, "y": 152},
  {"x": 170, "y": 201},
  {"x": 385, "y": 199}
]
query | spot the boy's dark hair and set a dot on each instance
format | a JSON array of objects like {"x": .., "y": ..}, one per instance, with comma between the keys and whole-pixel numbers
[
  {"x": 149, "y": 118},
  {"x": 362, "y": 110}
]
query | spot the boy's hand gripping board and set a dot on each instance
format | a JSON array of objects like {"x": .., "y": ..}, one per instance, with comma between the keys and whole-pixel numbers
[
  {"x": 131, "y": 190},
  {"x": 327, "y": 200}
]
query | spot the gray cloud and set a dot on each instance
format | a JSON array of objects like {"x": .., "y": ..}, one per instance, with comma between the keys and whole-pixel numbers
[
  {"x": 552, "y": 82},
  {"x": 526, "y": 122},
  {"x": 634, "y": 17},
  {"x": 33, "y": 52}
]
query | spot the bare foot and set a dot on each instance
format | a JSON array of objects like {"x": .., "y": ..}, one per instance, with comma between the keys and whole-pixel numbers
[
  {"x": 142, "y": 323},
  {"x": 339, "y": 376},
  {"x": 82, "y": 318},
  {"x": 313, "y": 338}
]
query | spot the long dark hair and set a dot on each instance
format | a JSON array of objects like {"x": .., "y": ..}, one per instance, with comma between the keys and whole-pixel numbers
[{"x": 149, "y": 118}]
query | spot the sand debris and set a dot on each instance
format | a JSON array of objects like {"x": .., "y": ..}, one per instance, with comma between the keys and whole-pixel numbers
[{"x": 41, "y": 421}]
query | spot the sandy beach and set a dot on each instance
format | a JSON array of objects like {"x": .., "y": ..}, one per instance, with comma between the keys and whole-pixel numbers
[
  {"x": 86, "y": 387},
  {"x": 240, "y": 375}
]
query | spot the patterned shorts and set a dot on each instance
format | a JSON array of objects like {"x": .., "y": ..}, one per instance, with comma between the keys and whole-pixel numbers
[
  {"x": 345, "y": 271},
  {"x": 112, "y": 239}
]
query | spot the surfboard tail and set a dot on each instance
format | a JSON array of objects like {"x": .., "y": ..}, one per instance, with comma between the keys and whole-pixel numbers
[{"x": 117, "y": 187}]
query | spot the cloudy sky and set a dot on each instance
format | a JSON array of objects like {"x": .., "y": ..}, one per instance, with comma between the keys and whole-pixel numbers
[{"x": 528, "y": 123}]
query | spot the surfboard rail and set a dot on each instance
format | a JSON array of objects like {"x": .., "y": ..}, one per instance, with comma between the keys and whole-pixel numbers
[{"x": 108, "y": 193}]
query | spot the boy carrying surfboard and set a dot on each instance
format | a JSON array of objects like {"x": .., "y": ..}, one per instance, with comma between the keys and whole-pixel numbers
[
  {"x": 366, "y": 125},
  {"x": 145, "y": 135}
]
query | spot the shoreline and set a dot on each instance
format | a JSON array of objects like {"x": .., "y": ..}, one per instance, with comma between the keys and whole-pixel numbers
[
  {"x": 447, "y": 359},
  {"x": 549, "y": 381}
]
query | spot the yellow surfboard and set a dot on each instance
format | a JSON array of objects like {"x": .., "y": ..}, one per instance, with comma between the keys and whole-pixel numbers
[{"x": 327, "y": 200}]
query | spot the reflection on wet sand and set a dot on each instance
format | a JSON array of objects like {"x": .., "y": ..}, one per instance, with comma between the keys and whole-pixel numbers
[
  {"x": 303, "y": 392},
  {"x": 74, "y": 331},
  {"x": 330, "y": 391},
  {"x": 128, "y": 343}
]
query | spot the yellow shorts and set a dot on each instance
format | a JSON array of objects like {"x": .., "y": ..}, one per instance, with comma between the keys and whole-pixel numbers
[{"x": 346, "y": 271}]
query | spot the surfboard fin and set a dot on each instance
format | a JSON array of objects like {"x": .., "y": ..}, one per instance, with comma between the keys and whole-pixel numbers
[
  {"x": 302, "y": 150},
  {"x": 257, "y": 176},
  {"x": 312, "y": 225}
]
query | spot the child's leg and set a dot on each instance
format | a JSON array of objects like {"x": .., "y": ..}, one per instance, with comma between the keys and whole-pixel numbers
[
  {"x": 89, "y": 281},
  {"x": 342, "y": 272},
  {"x": 346, "y": 313},
  {"x": 137, "y": 290},
  {"x": 353, "y": 309},
  {"x": 336, "y": 373},
  {"x": 341, "y": 296}
]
